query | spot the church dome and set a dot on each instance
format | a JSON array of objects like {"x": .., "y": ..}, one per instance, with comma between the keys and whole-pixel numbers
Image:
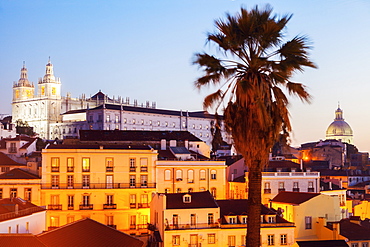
[{"x": 340, "y": 129}]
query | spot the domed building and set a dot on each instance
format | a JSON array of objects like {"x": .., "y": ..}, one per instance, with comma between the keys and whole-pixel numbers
[{"x": 340, "y": 129}]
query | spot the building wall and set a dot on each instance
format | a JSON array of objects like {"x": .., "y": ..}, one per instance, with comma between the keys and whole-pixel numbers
[
  {"x": 175, "y": 176},
  {"x": 123, "y": 207},
  {"x": 35, "y": 222},
  {"x": 22, "y": 187}
]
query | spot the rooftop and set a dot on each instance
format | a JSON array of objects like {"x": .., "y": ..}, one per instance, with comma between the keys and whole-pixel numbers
[{"x": 294, "y": 197}]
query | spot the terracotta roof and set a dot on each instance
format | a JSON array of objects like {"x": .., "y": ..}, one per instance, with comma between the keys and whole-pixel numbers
[
  {"x": 294, "y": 197},
  {"x": 352, "y": 231},
  {"x": 323, "y": 243},
  {"x": 8, "y": 206},
  {"x": 20, "y": 240},
  {"x": 282, "y": 164},
  {"x": 198, "y": 200},
  {"x": 88, "y": 232},
  {"x": 6, "y": 161},
  {"x": 135, "y": 135},
  {"x": 97, "y": 146},
  {"x": 165, "y": 154},
  {"x": 18, "y": 173},
  {"x": 325, "y": 186}
]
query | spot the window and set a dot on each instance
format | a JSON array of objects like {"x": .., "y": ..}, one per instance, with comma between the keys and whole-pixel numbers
[
  {"x": 210, "y": 219},
  {"x": 86, "y": 164},
  {"x": 167, "y": 175},
  {"x": 54, "y": 221},
  {"x": 271, "y": 219},
  {"x": 167, "y": 190},
  {"x": 231, "y": 241},
  {"x": 109, "y": 181},
  {"x": 308, "y": 222},
  {"x": 281, "y": 186},
  {"x": 244, "y": 219},
  {"x": 70, "y": 164},
  {"x": 132, "y": 165},
  {"x": 243, "y": 240},
  {"x": 109, "y": 199},
  {"x": 70, "y": 201},
  {"x": 270, "y": 239},
  {"x": 1, "y": 193},
  {"x": 144, "y": 201},
  {"x": 144, "y": 180},
  {"x": 175, "y": 221},
  {"x": 132, "y": 180},
  {"x": 295, "y": 187},
  {"x": 142, "y": 121},
  {"x": 55, "y": 164},
  {"x": 70, "y": 181},
  {"x": 310, "y": 187},
  {"x": 70, "y": 219},
  {"x": 365, "y": 244},
  {"x": 133, "y": 222},
  {"x": 178, "y": 175},
  {"x": 54, "y": 181},
  {"x": 109, "y": 220},
  {"x": 354, "y": 245},
  {"x": 178, "y": 190},
  {"x": 232, "y": 220},
  {"x": 27, "y": 227},
  {"x": 86, "y": 200},
  {"x": 117, "y": 119},
  {"x": 28, "y": 194},
  {"x": 202, "y": 174},
  {"x": 267, "y": 189},
  {"x": 132, "y": 201},
  {"x": 176, "y": 240},
  {"x": 13, "y": 192},
  {"x": 190, "y": 176},
  {"x": 158, "y": 123},
  {"x": 213, "y": 192},
  {"x": 144, "y": 165},
  {"x": 283, "y": 239},
  {"x": 211, "y": 238},
  {"x": 213, "y": 174},
  {"x": 85, "y": 181},
  {"x": 193, "y": 219},
  {"x": 109, "y": 164}
]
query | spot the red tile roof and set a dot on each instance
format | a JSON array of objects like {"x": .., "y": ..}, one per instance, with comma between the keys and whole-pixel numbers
[
  {"x": 20, "y": 240},
  {"x": 88, "y": 232},
  {"x": 18, "y": 173},
  {"x": 352, "y": 231},
  {"x": 323, "y": 243},
  {"x": 9, "y": 210},
  {"x": 294, "y": 197},
  {"x": 6, "y": 161}
]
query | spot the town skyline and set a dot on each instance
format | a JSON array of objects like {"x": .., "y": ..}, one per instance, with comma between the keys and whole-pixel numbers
[{"x": 121, "y": 48}]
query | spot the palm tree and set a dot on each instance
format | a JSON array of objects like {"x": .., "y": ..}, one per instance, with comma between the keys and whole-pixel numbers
[{"x": 252, "y": 77}]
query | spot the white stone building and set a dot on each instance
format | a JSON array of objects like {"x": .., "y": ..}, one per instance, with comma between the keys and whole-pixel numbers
[{"x": 55, "y": 116}]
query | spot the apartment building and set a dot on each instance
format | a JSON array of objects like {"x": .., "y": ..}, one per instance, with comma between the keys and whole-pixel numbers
[{"x": 111, "y": 184}]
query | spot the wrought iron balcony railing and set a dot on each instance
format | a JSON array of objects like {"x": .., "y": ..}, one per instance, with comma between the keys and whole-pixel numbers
[{"x": 98, "y": 186}]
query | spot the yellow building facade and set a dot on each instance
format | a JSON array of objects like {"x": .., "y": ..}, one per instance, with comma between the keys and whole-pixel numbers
[{"x": 112, "y": 185}]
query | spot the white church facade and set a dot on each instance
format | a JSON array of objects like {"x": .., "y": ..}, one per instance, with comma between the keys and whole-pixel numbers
[{"x": 55, "y": 116}]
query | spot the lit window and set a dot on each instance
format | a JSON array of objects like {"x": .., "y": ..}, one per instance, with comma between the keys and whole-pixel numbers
[
  {"x": 190, "y": 176},
  {"x": 202, "y": 174},
  {"x": 212, "y": 238},
  {"x": 55, "y": 164},
  {"x": 167, "y": 175},
  {"x": 86, "y": 164},
  {"x": 176, "y": 240},
  {"x": 178, "y": 175},
  {"x": 143, "y": 165},
  {"x": 109, "y": 164}
]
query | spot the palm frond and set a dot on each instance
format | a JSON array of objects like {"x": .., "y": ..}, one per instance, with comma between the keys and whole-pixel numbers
[
  {"x": 298, "y": 89},
  {"x": 212, "y": 99}
]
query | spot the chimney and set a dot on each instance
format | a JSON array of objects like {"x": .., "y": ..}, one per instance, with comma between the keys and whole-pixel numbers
[
  {"x": 163, "y": 144},
  {"x": 336, "y": 230},
  {"x": 330, "y": 186}
]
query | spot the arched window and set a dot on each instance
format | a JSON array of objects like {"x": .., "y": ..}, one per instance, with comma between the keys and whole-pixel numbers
[
  {"x": 190, "y": 176},
  {"x": 202, "y": 174},
  {"x": 213, "y": 174},
  {"x": 167, "y": 175},
  {"x": 179, "y": 175},
  {"x": 202, "y": 189}
]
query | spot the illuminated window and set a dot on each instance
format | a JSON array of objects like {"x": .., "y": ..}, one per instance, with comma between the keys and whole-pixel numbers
[
  {"x": 213, "y": 192},
  {"x": 86, "y": 164},
  {"x": 70, "y": 164},
  {"x": 132, "y": 201},
  {"x": 54, "y": 221},
  {"x": 190, "y": 176},
  {"x": 17, "y": 94},
  {"x": 53, "y": 91},
  {"x": 143, "y": 165},
  {"x": 176, "y": 240},
  {"x": 212, "y": 238},
  {"x": 142, "y": 121},
  {"x": 178, "y": 175},
  {"x": 43, "y": 90},
  {"x": 1, "y": 193},
  {"x": 55, "y": 164}
]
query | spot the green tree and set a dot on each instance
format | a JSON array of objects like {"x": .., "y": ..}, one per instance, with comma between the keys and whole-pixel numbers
[{"x": 252, "y": 75}]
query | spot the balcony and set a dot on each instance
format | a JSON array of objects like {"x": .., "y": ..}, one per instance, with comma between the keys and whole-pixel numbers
[
  {"x": 194, "y": 226},
  {"x": 295, "y": 189},
  {"x": 267, "y": 191},
  {"x": 113, "y": 226},
  {"x": 109, "y": 169},
  {"x": 70, "y": 207},
  {"x": 281, "y": 189},
  {"x": 143, "y": 169},
  {"x": 132, "y": 168},
  {"x": 70, "y": 169},
  {"x": 110, "y": 206},
  {"x": 55, "y": 207},
  {"x": 310, "y": 190},
  {"x": 98, "y": 185},
  {"x": 55, "y": 169},
  {"x": 132, "y": 205},
  {"x": 143, "y": 205},
  {"x": 86, "y": 206}
]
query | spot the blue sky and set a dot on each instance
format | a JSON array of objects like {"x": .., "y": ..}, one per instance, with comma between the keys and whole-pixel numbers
[{"x": 143, "y": 49}]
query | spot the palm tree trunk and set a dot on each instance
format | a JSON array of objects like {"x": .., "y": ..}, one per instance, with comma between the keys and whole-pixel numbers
[{"x": 254, "y": 204}]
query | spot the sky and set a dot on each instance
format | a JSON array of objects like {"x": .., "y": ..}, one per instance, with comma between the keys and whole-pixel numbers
[{"x": 143, "y": 49}]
